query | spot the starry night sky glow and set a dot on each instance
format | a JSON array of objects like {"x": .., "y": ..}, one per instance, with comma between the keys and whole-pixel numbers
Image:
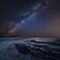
[{"x": 30, "y": 18}]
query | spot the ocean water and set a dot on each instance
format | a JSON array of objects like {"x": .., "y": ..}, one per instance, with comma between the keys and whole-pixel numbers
[{"x": 29, "y": 48}]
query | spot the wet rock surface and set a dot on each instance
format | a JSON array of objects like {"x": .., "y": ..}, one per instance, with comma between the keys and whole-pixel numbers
[
  {"x": 42, "y": 51},
  {"x": 29, "y": 50}
]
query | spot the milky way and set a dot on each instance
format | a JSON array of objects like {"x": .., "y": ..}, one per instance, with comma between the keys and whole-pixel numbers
[{"x": 27, "y": 17}]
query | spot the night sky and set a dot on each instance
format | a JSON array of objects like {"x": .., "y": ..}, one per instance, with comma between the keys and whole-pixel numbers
[{"x": 39, "y": 18}]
